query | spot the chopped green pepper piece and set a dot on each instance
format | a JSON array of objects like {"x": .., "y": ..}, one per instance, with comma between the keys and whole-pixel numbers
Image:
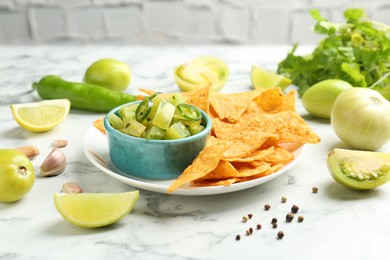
[
  {"x": 143, "y": 110},
  {"x": 189, "y": 112}
]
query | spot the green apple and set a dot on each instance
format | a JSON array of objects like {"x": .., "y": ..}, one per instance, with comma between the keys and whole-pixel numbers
[
  {"x": 17, "y": 175},
  {"x": 109, "y": 73}
]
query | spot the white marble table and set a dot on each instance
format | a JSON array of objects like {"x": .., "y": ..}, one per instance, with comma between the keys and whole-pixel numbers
[{"x": 339, "y": 223}]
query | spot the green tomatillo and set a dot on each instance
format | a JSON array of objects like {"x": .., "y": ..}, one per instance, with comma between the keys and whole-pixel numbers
[
  {"x": 109, "y": 73},
  {"x": 17, "y": 175}
]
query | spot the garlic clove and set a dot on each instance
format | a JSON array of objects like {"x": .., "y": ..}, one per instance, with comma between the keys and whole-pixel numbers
[
  {"x": 71, "y": 187},
  {"x": 54, "y": 163},
  {"x": 60, "y": 143},
  {"x": 29, "y": 151}
]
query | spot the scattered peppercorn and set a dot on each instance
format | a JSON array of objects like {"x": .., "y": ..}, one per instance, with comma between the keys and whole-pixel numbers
[
  {"x": 267, "y": 206},
  {"x": 249, "y": 231},
  {"x": 250, "y": 216},
  {"x": 283, "y": 199},
  {"x": 258, "y": 226},
  {"x": 244, "y": 219},
  {"x": 274, "y": 220},
  {"x": 314, "y": 189},
  {"x": 238, "y": 237},
  {"x": 280, "y": 234},
  {"x": 274, "y": 225},
  {"x": 294, "y": 209},
  {"x": 289, "y": 217},
  {"x": 300, "y": 218}
]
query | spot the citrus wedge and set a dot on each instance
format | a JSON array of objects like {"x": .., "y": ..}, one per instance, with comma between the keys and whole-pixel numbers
[
  {"x": 41, "y": 116},
  {"x": 267, "y": 79},
  {"x": 92, "y": 210}
]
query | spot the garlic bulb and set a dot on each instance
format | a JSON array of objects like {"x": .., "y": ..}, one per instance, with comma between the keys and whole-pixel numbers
[{"x": 54, "y": 164}]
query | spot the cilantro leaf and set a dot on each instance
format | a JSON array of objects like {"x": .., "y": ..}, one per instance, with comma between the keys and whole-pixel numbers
[{"x": 357, "y": 51}]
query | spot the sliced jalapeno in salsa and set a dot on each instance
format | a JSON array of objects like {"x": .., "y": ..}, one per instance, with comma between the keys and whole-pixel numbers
[
  {"x": 143, "y": 110},
  {"x": 154, "y": 95},
  {"x": 189, "y": 112}
]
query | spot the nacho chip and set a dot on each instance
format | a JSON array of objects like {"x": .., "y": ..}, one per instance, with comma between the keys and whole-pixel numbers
[
  {"x": 289, "y": 102},
  {"x": 99, "y": 125},
  {"x": 203, "y": 183},
  {"x": 231, "y": 106},
  {"x": 270, "y": 100},
  {"x": 207, "y": 160},
  {"x": 199, "y": 98},
  {"x": 224, "y": 170}
]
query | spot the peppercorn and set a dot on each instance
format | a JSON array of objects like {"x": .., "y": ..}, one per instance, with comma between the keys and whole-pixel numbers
[
  {"x": 258, "y": 226},
  {"x": 314, "y": 189},
  {"x": 289, "y": 217},
  {"x": 250, "y": 216},
  {"x": 249, "y": 231},
  {"x": 238, "y": 237},
  {"x": 267, "y": 206},
  {"x": 283, "y": 199},
  {"x": 294, "y": 209},
  {"x": 244, "y": 219},
  {"x": 274, "y": 220},
  {"x": 300, "y": 218},
  {"x": 280, "y": 234},
  {"x": 274, "y": 225}
]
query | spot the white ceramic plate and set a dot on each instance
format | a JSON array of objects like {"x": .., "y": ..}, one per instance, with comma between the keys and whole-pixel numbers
[{"x": 96, "y": 150}]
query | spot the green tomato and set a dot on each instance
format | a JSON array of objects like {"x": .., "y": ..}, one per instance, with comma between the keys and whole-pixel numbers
[
  {"x": 109, "y": 73},
  {"x": 17, "y": 175},
  {"x": 318, "y": 100},
  {"x": 361, "y": 118},
  {"x": 202, "y": 72}
]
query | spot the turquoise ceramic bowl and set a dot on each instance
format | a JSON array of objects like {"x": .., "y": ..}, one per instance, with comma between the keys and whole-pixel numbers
[{"x": 153, "y": 159}]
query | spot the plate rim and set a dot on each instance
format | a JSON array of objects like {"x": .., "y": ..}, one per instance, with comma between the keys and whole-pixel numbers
[{"x": 159, "y": 186}]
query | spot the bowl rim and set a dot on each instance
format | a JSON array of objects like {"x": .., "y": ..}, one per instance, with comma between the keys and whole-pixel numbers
[{"x": 110, "y": 130}]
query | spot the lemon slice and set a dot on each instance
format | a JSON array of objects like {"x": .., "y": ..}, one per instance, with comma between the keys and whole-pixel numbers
[
  {"x": 267, "y": 79},
  {"x": 41, "y": 116},
  {"x": 94, "y": 209}
]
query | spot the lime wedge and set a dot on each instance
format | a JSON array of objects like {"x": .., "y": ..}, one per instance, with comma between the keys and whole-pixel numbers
[
  {"x": 41, "y": 116},
  {"x": 94, "y": 209},
  {"x": 267, "y": 79}
]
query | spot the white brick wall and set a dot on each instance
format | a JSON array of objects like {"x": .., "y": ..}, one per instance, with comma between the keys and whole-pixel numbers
[{"x": 172, "y": 21}]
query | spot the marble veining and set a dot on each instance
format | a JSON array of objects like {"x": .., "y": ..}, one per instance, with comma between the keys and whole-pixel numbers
[{"x": 338, "y": 223}]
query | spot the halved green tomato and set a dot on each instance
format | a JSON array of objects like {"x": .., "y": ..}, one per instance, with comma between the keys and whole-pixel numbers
[{"x": 202, "y": 72}]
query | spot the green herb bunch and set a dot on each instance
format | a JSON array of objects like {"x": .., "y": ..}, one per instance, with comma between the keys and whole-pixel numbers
[{"x": 357, "y": 51}]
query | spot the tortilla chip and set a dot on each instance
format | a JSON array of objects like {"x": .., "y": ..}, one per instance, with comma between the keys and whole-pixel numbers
[
  {"x": 289, "y": 102},
  {"x": 224, "y": 170},
  {"x": 199, "y": 98},
  {"x": 207, "y": 160},
  {"x": 99, "y": 125},
  {"x": 231, "y": 106},
  {"x": 270, "y": 100},
  {"x": 227, "y": 182}
]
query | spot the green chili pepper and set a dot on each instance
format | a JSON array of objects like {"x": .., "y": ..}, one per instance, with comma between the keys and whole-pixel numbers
[
  {"x": 189, "y": 112},
  {"x": 82, "y": 96},
  {"x": 143, "y": 110}
]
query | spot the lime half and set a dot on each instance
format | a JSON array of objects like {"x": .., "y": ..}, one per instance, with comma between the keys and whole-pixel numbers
[{"x": 94, "y": 209}]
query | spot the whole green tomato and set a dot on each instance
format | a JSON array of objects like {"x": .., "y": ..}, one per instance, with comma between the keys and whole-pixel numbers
[
  {"x": 109, "y": 73},
  {"x": 318, "y": 100},
  {"x": 17, "y": 175}
]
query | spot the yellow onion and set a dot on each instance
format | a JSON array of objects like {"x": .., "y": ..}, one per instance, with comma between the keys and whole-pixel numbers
[{"x": 360, "y": 117}]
